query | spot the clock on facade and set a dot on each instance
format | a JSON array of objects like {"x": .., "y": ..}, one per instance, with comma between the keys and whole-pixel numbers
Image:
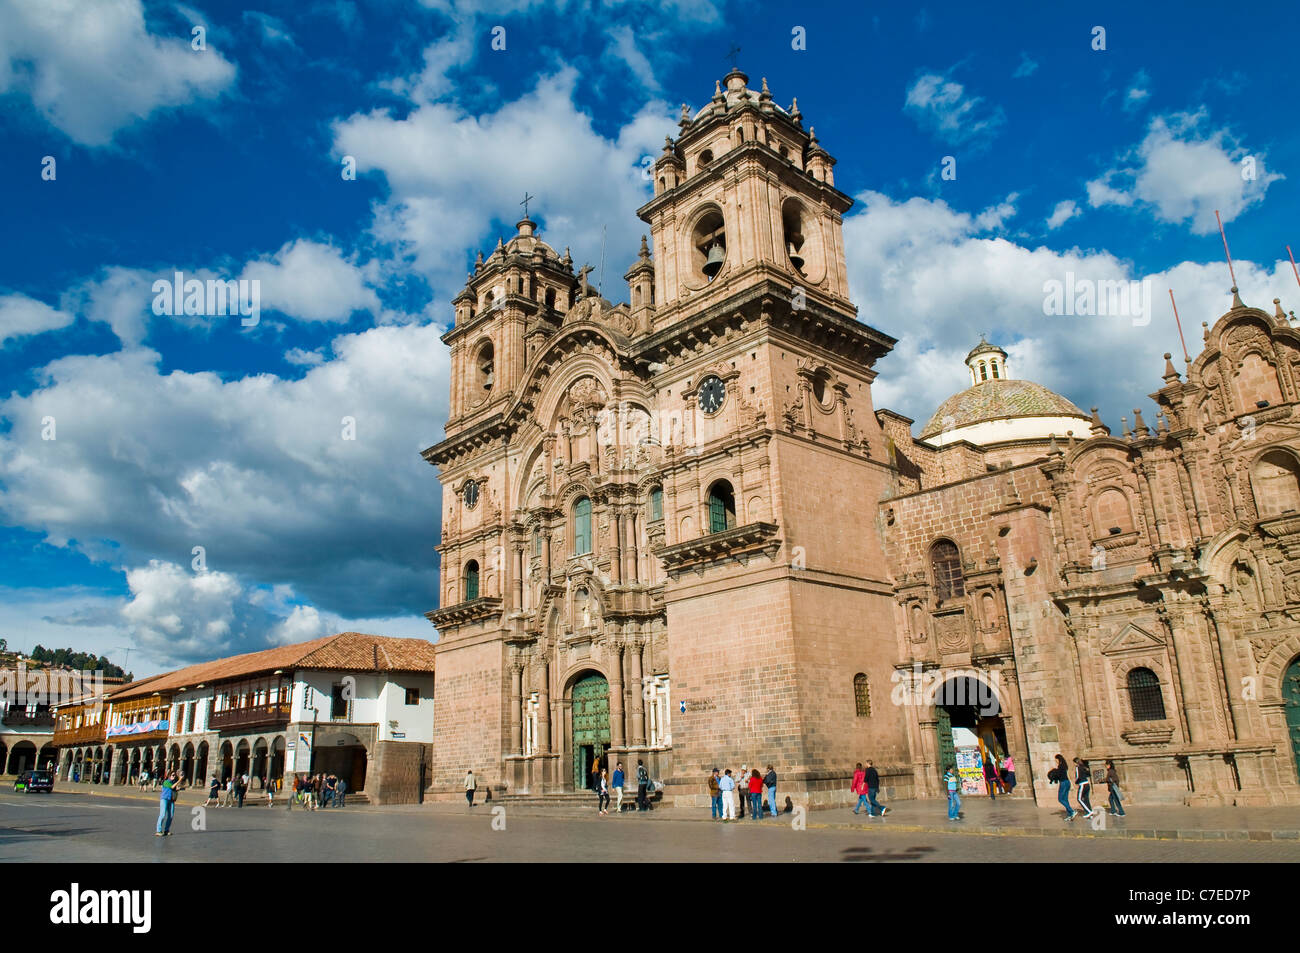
[
  {"x": 712, "y": 393},
  {"x": 471, "y": 495}
]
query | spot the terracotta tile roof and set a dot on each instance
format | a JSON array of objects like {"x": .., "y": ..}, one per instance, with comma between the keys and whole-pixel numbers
[{"x": 350, "y": 651}]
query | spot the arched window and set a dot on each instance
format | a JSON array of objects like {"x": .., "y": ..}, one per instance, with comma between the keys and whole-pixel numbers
[
  {"x": 486, "y": 366},
  {"x": 537, "y": 542},
  {"x": 1276, "y": 482},
  {"x": 984, "y": 372},
  {"x": 471, "y": 580},
  {"x": 582, "y": 526},
  {"x": 994, "y": 365},
  {"x": 722, "y": 507},
  {"x": 656, "y": 504},
  {"x": 861, "y": 695},
  {"x": 1144, "y": 696},
  {"x": 945, "y": 567}
]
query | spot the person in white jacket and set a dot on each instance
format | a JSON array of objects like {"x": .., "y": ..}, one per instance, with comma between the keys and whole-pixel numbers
[{"x": 727, "y": 784}]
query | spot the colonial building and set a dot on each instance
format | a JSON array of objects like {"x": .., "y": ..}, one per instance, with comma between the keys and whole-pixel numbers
[
  {"x": 677, "y": 530},
  {"x": 358, "y": 706}
]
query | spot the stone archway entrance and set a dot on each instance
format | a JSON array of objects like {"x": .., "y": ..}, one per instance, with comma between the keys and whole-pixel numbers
[
  {"x": 971, "y": 730},
  {"x": 1291, "y": 702},
  {"x": 590, "y": 740}
]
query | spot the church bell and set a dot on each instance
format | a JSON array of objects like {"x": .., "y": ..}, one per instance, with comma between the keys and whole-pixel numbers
[
  {"x": 796, "y": 259},
  {"x": 713, "y": 262}
]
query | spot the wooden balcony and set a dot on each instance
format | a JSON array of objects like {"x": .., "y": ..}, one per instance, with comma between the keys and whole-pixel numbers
[
  {"x": 85, "y": 735},
  {"x": 276, "y": 713}
]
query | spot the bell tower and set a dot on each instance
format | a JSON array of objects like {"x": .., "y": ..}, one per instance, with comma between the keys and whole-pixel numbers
[{"x": 745, "y": 194}]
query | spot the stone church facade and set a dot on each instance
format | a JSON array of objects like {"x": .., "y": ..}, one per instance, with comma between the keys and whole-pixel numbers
[{"x": 677, "y": 530}]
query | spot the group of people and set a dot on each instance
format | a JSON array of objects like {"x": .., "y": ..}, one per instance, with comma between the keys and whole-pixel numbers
[
  {"x": 1060, "y": 776},
  {"x": 232, "y": 793},
  {"x": 603, "y": 784},
  {"x": 319, "y": 791},
  {"x": 726, "y": 792}
]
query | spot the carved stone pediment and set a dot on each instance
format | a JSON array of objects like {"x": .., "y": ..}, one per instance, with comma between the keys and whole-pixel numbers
[
  {"x": 740, "y": 543},
  {"x": 1133, "y": 639},
  {"x": 1148, "y": 733}
]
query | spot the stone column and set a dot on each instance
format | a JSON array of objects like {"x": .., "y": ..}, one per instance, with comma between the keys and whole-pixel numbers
[
  {"x": 546, "y": 558},
  {"x": 630, "y": 549},
  {"x": 516, "y": 709},
  {"x": 638, "y": 703},
  {"x": 544, "y": 708},
  {"x": 616, "y": 559},
  {"x": 1017, "y": 739},
  {"x": 519, "y": 579},
  {"x": 616, "y": 725}
]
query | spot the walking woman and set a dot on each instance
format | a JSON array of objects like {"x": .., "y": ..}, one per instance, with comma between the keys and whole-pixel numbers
[
  {"x": 214, "y": 794},
  {"x": 602, "y": 793},
  {"x": 1084, "y": 784},
  {"x": 991, "y": 780},
  {"x": 1112, "y": 785},
  {"x": 1009, "y": 773},
  {"x": 1060, "y": 776}
]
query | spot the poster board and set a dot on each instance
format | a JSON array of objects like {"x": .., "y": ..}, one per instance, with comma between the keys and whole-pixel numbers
[{"x": 970, "y": 769}]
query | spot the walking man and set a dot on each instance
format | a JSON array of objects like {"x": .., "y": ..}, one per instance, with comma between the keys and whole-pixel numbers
[
  {"x": 954, "y": 797},
  {"x": 715, "y": 797},
  {"x": 642, "y": 784},
  {"x": 769, "y": 781},
  {"x": 870, "y": 785},
  {"x": 470, "y": 786},
  {"x": 1112, "y": 785},
  {"x": 166, "y": 807},
  {"x": 727, "y": 784},
  {"x": 618, "y": 788},
  {"x": 341, "y": 793}
]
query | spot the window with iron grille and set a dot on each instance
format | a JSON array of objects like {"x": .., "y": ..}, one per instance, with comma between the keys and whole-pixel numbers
[
  {"x": 945, "y": 566},
  {"x": 1144, "y": 695},
  {"x": 862, "y": 695}
]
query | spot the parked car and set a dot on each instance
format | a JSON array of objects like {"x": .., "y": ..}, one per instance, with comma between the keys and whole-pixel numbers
[{"x": 35, "y": 781}]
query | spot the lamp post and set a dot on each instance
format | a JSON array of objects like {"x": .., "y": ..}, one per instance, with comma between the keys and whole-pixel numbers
[{"x": 311, "y": 764}]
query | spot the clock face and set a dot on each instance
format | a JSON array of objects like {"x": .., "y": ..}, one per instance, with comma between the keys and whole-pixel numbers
[
  {"x": 471, "y": 495},
  {"x": 712, "y": 393}
]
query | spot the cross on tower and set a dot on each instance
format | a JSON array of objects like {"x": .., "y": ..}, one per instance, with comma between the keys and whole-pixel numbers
[
  {"x": 732, "y": 54},
  {"x": 582, "y": 278},
  {"x": 527, "y": 198}
]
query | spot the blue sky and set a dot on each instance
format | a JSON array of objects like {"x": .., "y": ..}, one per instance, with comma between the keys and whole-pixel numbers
[{"x": 176, "y": 432}]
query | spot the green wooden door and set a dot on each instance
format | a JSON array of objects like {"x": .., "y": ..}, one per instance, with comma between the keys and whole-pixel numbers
[
  {"x": 590, "y": 726},
  {"x": 1291, "y": 699},
  {"x": 947, "y": 752}
]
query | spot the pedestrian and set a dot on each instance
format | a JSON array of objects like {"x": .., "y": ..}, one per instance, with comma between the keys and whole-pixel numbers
[
  {"x": 755, "y": 795},
  {"x": 331, "y": 785},
  {"x": 991, "y": 778},
  {"x": 871, "y": 785},
  {"x": 166, "y": 807},
  {"x": 470, "y": 786},
  {"x": 857, "y": 788},
  {"x": 214, "y": 793},
  {"x": 341, "y": 792},
  {"x": 769, "y": 782},
  {"x": 602, "y": 793},
  {"x": 241, "y": 788},
  {"x": 1008, "y": 774},
  {"x": 618, "y": 788},
  {"x": 315, "y": 791},
  {"x": 270, "y": 791},
  {"x": 715, "y": 797},
  {"x": 1112, "y": 785},
  {"x": 1084, "y": 785},
  {"x": 1060, "y": 776},
  {"x": 595, "y": 774},
  {"x": 952, "y": 782},
  {"x": 642, "y": 785},
  {"x": 228, "y": 798},
  {"x": 740, "y": 794},
  {"x": 727, "y": 784}
]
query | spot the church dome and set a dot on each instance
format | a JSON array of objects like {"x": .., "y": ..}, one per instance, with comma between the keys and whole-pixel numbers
[
  {"x": 998, "y": 408},
  {"x": 1001, "y": 400}
]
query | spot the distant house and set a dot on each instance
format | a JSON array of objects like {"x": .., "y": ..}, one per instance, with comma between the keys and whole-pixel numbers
[{"x": 354, "y": 705}]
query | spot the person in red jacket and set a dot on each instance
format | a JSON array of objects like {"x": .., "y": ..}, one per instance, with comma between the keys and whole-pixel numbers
[
  {"x": 755, "y": 794},
  {"x": 858, "y": 787}
]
